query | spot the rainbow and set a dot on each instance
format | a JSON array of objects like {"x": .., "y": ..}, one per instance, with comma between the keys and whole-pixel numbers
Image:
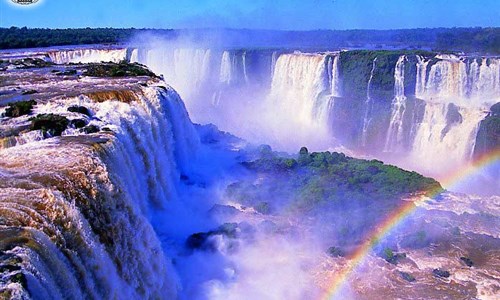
[{"x": 398, "y": 216}]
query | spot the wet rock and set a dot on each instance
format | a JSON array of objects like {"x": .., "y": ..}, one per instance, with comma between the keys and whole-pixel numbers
[
  {"x": 441, "y": 273},
  {"x": 488, "y": 135},
  {"x": 335, "y": 252},
  {"x": 66, "y": 73},
  {"x": 453, "y": 117},
  {"x": 203, "y": 241},
  {"x": 29, "y": 92},
  {"x": 77, "y": 123},
  {"x": 263, "y": 208},
  {"x": 223, "y": 210},
  {"x": 90, "y": 129},
  {"x": 80, "y": 109},
  {"x": 28, "y": 63},
  {"x": 50, "y": 124},
  {"x": 407, "y": 276},
  {"x": 199, "y": 241},
  {"x": 467, "y": 261}
]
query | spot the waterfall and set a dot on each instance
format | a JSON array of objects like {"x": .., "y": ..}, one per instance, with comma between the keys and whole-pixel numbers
[
  {"x": 368, "y": 106},
  {"x": 75, "y": 209},
  {"x": 302, "y": 87},
  {"x": 227, "y": 67},
  {"x": 452, "y": 86},
  {"x": 443, "y": 142},
  {"x": 87, "y": 55},
  {"x": 244, "y": 62},
  {"x": 188, "y": 70},
  {"x": 333, "y": 71},
  {"x": 468, "y": 80},
  {"x": 274, "y": 58},
  {"x": 395, "y": 132},
  {"x": 421, "y": 76}
]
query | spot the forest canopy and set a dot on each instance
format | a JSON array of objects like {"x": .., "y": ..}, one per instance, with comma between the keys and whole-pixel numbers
[{"x": 477, "y": 40}]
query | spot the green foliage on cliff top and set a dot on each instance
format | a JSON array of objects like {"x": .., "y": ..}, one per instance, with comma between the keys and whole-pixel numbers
[
  {"x": 328, "y": 178},
  {"x": 356, "y": 66},
  {"x": 121, "y": 69}
]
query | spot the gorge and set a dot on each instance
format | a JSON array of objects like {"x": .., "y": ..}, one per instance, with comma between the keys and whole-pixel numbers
[
  {"x": 138, "y": 201},
  {"x": 418, "y": 109}
]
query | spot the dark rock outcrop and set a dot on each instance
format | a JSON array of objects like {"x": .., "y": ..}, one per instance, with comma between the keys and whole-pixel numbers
[{"x": 488, "y": 136}]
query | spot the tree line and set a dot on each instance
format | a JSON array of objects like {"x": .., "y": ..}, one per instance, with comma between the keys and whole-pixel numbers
[{"x": 477, "y": 39}]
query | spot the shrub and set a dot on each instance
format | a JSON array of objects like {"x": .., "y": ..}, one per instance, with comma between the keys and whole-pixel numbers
[
  {"x": 21, "y": 108},
  {"x": 50, "y": 124},
  {"x": 121, "y": 69}
]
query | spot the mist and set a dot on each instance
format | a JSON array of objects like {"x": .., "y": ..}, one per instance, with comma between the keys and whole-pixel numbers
[{"x": 237, "y": 234}]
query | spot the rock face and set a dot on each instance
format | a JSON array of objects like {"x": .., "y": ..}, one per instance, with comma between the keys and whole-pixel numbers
[
  {"x": 488, "y": 136},
  {"x": 71, "y": 222}
]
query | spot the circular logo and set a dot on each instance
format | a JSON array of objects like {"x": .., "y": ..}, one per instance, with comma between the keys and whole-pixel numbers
[{"x": 25, "y": 2}]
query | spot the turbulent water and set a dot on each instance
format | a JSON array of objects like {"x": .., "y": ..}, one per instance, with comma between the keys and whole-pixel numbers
[{"x": 76, "y": 210}]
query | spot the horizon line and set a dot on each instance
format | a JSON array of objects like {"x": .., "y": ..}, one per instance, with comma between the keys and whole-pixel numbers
[{"x": 251, "y": 29}]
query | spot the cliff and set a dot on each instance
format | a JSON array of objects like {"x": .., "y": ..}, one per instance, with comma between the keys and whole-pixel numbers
[{"x": 76, "y": 183}]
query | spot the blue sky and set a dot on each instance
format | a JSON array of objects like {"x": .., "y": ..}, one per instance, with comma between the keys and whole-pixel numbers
[{"x": 263, "y": 14}]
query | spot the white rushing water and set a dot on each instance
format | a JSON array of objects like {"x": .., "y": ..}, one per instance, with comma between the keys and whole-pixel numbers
[
  {"x": 440, "y": 143},
  {"x": 301, "y": 99},
  {"x": 88, "y": 55},
  {"x": 395, "y": 131},
  {"x": 368, "y": 106},
  {"x": 455, "y": 79},
  {"x": 102, "y": 246}
]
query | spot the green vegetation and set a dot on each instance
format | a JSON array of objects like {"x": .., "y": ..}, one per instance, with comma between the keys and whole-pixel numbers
[
  {"x": 407, "y": 276},
  {"x": 121, "y": 69},
  {"x": 356, "y": 66},
  {"x": 485, "y": 40},
  {"x": 392, "y": 257},
  {"x": 15, "y": 37},
  {"x": 328, "y": 177},
  {"x": 21, "y": 108},
  {"x": 470, "y": 40},
  {"x": 50, "y": 124},
  {"x": 28, "y": 63}
]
